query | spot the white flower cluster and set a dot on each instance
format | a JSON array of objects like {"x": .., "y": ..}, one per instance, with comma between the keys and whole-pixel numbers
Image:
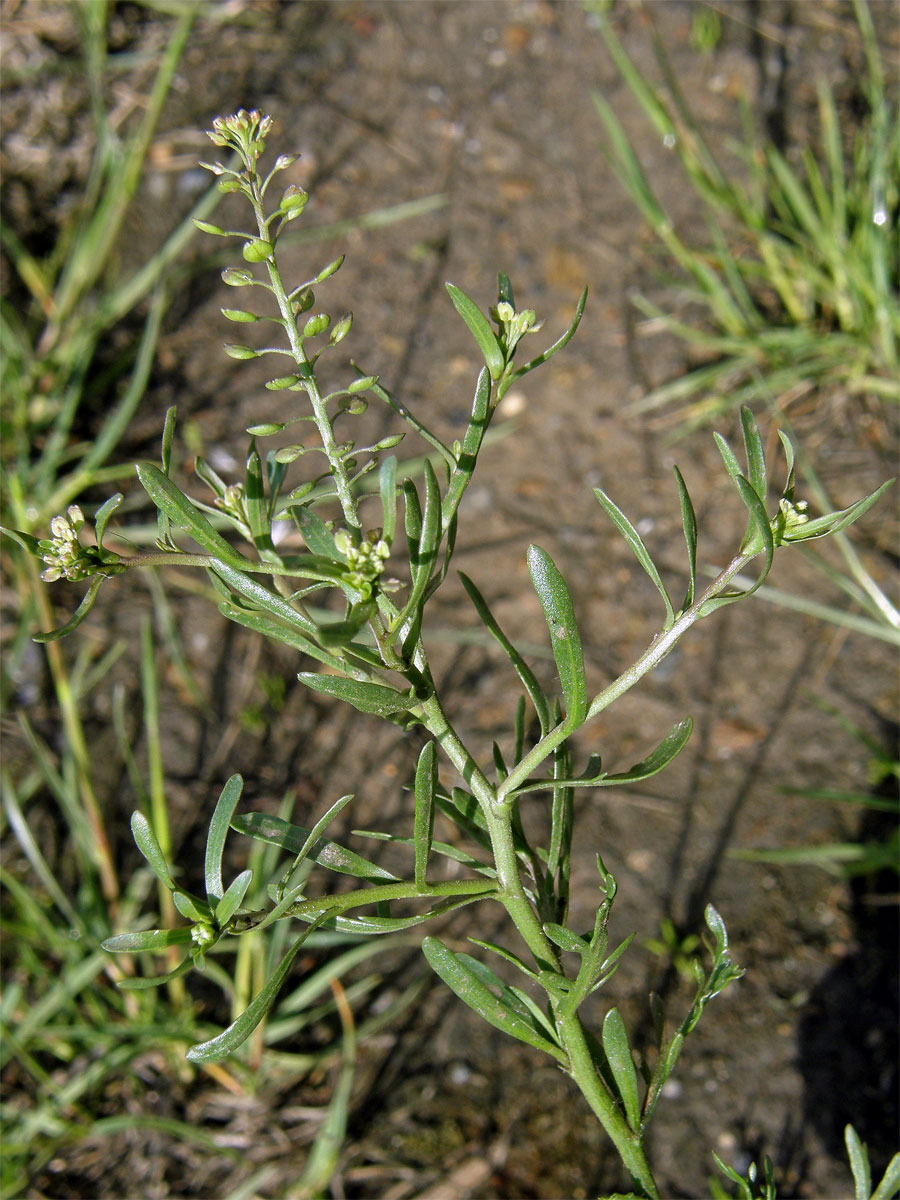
[{"x": 64, "y": 553}]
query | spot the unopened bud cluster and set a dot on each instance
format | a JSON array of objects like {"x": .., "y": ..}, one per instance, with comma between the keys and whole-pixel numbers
[
  {"x": 366, "y": 561},
  {"x": 244, "y": 131},
  {"x": 794, "y": 513},
  {"x": 513, "y": 325},
  {"x": 64, "y": 554}
]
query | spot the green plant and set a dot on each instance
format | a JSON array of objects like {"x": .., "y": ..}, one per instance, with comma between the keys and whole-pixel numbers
[
  {"x": 798, "y": 282},
  {"x": 371, "y": 653},
  {"x": 752, "y": 1187},
  {"x": 60, "y": 1008}
]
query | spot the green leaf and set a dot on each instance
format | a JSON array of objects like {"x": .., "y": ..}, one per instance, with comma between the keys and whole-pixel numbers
[
  {"x": 148, "y": 939},
  {"x": 146, "y": 842},
  {"x": 890, "y": 1181},
  {"x": 29, "y": 543},
  {"x": 138, "y": 983},
  {"x": 190, "y": 909},
  {"x": 279, "y": 633},
  {"x": 255, "y": 503},
  {"x": 373, "y": 698},
  {"x": 103, "y": 514},
  {"x": 759, "y": 535},
  {"x": 551, "y": 350},
  {"x": 233, "y": 898},
  {"x": 262, "y": 597},
  {"x": 671, "y": 745},
  {"x": 716, "y": 927},
  {"x": 293, "y": 838},
  {"x": 859, "y": 1164},
  {"x": 565, "y": 938},
  {"x": 480, "y": 329},
  {"x": 387, "y": 486},
  {"x": 237, "y": 1033},
  {"x": 621, "y": 1064},
  {"x": 239, "y": 315},
  {"x": 185, "y": 515},
  {"x": 423, "y": 827},
  {"x": 314, "y": 532},
  {"x": 689, "y": 524},
  {"x": 529, "y": 681},
  {"x": 87, "y": 603},
  {"x": 462, "y": 980},
  {"x": 564, "y": 637},
  {"x": 634, "y": 540},
  {"x": 218, "y": 831},
  {"x": 756, "y": 460},
  {"x": 836, "y": 521}
]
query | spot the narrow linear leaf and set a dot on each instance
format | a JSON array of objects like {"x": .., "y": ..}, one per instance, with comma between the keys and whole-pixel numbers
[
  {"x": 279, "y": 633},
  {"x": 145, "y": 840},
  {"x": 756, "y": 459},
  {"x": 147, "y": 939},
  {"x": 261, "y": 596},
  {"x": 255, "y": 503},
  {"x": 103, "y": 514},
  {"x": 564, "y": 637},
  {"x": 138, "y": 983},
  {"x": 480, "y": 329},
  {"x": 671, "y": 745},
  {"x": 181, "y": 512},
  {"x": 385, "y": 925},
  {"x": 463, "y": 466},
  {"x": 890, "y": 1181},
  {"x": 87, "y": 603},
  {"x": 859, "y": 1164},
  {"x": 759, "y": 535},
  {"x": 442, "y": 848},
  {"x": 233, "y": 898},
  {"x": 168, "y": 438},
  {"x": 634, "y": 540},
  {"x": 621, "y": 1064},
  {"x": 470, "y": 989},
  {"x": 218, "y": 831},
  {"x": 732, "y": 466},
  {"x": 689, "y": 525},
  {"x": 423, "y": 826},
  {"x": 387, "y": 486},
  {"x": 565, "y": 938},
  {"x": 836, "y": 521},
  {"x": 527, "y": 676},
  {"x": 277, "y": 832},
  {"x": 507, "y": 954},
  {"x": 557, "y": 345},
  {"x": 373, "y": 698},
  {"x": 237, "y": 1033},
  {"x": 192, "y": 910},
  {"x": 314, "y": 531}
]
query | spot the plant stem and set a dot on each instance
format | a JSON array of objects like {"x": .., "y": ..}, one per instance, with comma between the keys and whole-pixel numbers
[
  {"x": 307, "y": 374},
  {"x": 515, "y": 900}
]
